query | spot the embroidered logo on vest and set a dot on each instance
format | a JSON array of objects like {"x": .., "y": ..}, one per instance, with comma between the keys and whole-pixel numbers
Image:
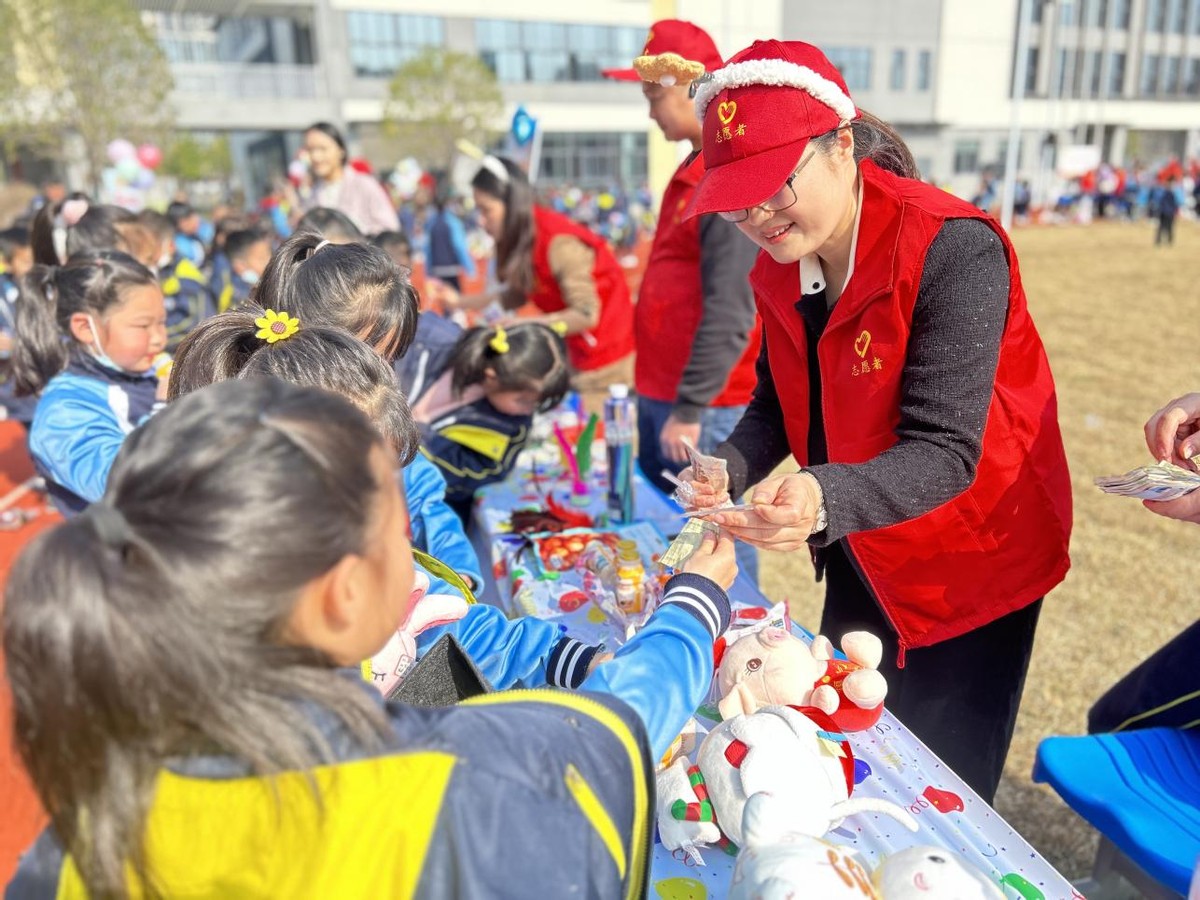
[{"x": 861, "y": 345}]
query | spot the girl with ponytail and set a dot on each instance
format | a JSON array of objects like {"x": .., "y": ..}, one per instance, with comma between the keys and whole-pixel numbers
[
  {"x": 187, "y": 702},
  {"x": 89, "y": 343}
]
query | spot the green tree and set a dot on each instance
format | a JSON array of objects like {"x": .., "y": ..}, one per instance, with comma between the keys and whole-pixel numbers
[
  {"x": 190, "y": 159},
  {"x": 90, "y": 68},
  {"x": 438, "y": 97}
]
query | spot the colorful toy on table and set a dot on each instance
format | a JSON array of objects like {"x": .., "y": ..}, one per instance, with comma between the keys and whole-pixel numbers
[
  {"x": 771, "y": 666},
  {"x": 387, "y": 668},
  {"x": 616, "y": 581},
  {"x": 777, "y": 862},
  {"x": 580, "y": 494},
  {"x": 933, "y": 874}
]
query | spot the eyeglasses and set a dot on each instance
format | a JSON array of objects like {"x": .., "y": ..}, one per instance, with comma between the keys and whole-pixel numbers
[{"x": 782, "y": 199}]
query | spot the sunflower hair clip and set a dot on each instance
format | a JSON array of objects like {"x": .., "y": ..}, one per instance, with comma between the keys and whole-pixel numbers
[
  {"x": 276, "y": 326},
  {"x": 499, "y": 341}
]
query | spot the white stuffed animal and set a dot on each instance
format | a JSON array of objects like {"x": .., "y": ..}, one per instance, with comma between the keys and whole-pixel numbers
[
  {"x": 776, "y": 863},
  {"x": 931, "y": 873},
  {"x": 783, "y": 752}
]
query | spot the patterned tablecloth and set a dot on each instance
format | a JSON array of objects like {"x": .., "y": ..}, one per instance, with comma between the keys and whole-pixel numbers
[{"x": 893, "y": 764}]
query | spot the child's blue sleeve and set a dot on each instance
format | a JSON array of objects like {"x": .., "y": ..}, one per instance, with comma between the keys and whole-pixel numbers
[
  {"x": 75, "y": 443},
  {"x": 666, "y": 669},
  {"x": 516, "y": 652},
  {"x": 436, "y": 528}
]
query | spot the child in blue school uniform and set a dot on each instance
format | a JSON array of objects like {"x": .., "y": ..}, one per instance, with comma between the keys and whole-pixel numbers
[
  {"x": 205, "y": 732},
  {"x": 16, "y": 259},
  {"x": 185, "y": 287},
  {"x": 475, "y": 416},
  {"x": 90, "y": 336}
]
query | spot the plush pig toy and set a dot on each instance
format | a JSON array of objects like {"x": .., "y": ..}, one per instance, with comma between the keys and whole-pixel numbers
[
  {"x": 772, "y": 667},
  {"x": 933, "y": 874}
]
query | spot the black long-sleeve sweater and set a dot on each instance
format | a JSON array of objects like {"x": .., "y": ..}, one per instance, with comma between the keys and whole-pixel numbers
[{"x": 949, "y": 374}]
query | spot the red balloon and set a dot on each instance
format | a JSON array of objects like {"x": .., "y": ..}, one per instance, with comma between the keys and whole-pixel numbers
[{"x": 149, "y": 156}]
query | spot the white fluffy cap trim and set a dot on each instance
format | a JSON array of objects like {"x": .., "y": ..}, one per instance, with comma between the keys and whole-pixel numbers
[{"x": 777, "y": 72}]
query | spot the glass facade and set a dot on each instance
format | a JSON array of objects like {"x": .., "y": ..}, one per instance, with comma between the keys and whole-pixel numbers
[
  {"x": 550, "y": 51},
  {"x": 600, "y": 159},
  {"x": 855, "y": 65},
  {"x": 382, "y": 42}
]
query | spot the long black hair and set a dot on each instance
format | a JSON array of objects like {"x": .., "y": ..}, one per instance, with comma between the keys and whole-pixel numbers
[
  {"x": 92, "y": 283},
  {"x": 101, "y": 227},
  {"x": 876, "y": 140},
  {"x": 352, "y": 286},
  {"x": 331, "y": 132},
  {"x": 226, "y": 346},
  {"x": 523, "y": 356},
  {"x": 514, "y": 247},
  {"x": 162, "y": 612}
]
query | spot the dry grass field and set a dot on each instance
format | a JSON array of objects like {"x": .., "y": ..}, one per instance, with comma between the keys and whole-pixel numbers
[{"x": 1121, "y": 322}]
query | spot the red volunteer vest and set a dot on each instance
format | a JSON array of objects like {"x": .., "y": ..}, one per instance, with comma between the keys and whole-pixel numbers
[
  {"x": 1002, "y": 543},
  {"x": 671, "y": 303},
  {"x": 613, "y": 335}
]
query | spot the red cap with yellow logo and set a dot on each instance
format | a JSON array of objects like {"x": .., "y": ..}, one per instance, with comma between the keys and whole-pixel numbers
[
  {"x": 674, "y": 36},
  {"x": 759, "y": 112}
]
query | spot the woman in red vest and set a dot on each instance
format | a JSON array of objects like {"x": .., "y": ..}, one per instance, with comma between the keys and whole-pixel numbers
[
  {"x": 901, "y": 370},
  {"x": 562, "y": 268}
]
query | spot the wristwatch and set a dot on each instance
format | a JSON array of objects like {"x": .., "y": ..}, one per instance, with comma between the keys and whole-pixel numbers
[{"x": 822, "y": 520}]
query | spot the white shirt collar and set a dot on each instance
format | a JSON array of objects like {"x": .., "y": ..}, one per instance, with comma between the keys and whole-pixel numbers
[{"x": 812, "y": 276}]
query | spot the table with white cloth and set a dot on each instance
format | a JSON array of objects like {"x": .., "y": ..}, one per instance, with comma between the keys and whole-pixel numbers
[{"x": 891, "y": 763}]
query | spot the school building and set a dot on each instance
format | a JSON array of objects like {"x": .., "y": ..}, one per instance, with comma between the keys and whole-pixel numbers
[{"x": 1121, "y": 74}]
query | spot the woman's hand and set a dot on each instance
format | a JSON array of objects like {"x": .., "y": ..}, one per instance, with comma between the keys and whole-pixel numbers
[
  {"x": 1173, "y": 434},
  {"x": 706, "y": 496},
  {"x": 785, "y": 511},
  {"x": 1185, "y": 509},
  {"x": 714, "y": 559},
  {"x": 670, "y": 440}
]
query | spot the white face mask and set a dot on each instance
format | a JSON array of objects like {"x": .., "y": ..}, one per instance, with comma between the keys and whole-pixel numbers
[
  {"x": 165, "y": 260},
  {"x": 98, "y": 349},
  {"x": 250, "y": 277}
]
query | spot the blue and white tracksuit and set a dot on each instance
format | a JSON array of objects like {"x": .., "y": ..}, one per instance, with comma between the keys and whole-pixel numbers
[{"x": 81, "y": 420}]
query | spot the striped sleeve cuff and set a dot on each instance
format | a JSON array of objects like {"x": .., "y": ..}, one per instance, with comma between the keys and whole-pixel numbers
[
  {"x": 568, "y": 663},
  {"x": 702, "y": 598}
]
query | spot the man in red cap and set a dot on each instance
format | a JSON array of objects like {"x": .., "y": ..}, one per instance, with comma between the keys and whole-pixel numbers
[
  {"x": 903, "y": 373},
  {"x": 696, "y": 326}
]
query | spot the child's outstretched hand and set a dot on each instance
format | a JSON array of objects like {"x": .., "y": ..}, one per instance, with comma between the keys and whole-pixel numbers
[{"x": 714, "y": 559}]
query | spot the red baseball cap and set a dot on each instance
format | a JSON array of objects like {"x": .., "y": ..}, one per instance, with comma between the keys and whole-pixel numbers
[
  {"x": 759, "y": 112},
  {"x": 674, "y": 36}
]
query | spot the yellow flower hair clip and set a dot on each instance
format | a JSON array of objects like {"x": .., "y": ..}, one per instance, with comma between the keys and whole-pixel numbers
[
  {"x": 499, "y": 341},
  {"x": 276, "y": 326},
  {"x": 559, "y": 328}
]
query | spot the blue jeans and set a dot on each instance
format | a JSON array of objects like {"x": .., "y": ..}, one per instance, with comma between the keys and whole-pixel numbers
[{"x": 716, "y": 424}]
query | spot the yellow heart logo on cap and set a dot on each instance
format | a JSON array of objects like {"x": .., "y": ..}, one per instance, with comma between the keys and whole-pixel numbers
[
  {"x": 863, "y": 342},
  {"x": 726, "y": 111}
]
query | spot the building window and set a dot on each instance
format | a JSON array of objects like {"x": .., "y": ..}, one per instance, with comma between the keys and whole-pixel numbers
[
  {"x": 1122, "y": 13},
  {"x": 899, "y": 70},
  {"x": 1097, "y": 13},
  {"x": 1151, "y": 64},
  {"x": 184, "y": 37},
  {"x": 1116, "y": 74},
  {"x": 1193, "y": 79},
  {"x": 549, "y": 51},
  {"x": 1195, "y": 17},
  {"x": 594, "y": 159},
  {"x": 1094, "y": 71},
  {"x": 1172, "y": 75},
  {"x": 925, "y": 69},
  {"x": 966, "y": 157},
  {"x": 1156, "y": 15},
  {"x": 1031, "y": 71},
  {"x": 1177, "y": 16},
  {"x": 855, "y": 65},
  {"x": 382, "y": 42},
  {"x": 1066, "y": 72}
]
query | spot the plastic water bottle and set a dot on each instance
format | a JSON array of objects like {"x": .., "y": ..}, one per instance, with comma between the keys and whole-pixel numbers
[{"x": 620, "y": 422}]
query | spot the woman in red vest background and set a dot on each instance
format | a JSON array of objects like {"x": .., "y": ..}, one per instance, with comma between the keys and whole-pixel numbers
[
  {"x": 565, "y": 270},
  {"x": 901, "y": 370}
]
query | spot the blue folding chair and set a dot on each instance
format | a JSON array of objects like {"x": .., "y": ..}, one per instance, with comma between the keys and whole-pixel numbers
[{"x": 1141, "y": 791}]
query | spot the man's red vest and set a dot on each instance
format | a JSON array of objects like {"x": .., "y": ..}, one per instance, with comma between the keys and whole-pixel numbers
[
  {"x": 671, "y": 303},
  {"x": 612, "y": 338},
  {"x": 1002, "y": 543}
]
